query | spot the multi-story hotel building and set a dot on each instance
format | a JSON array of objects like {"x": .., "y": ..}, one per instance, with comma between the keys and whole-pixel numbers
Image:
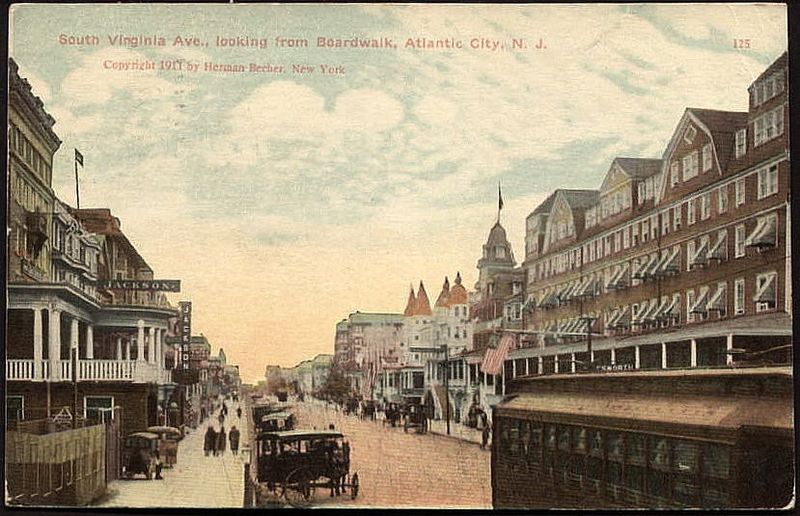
[
  {"x": 678, "y": 262},
  {"x": 69, "y": 342}
]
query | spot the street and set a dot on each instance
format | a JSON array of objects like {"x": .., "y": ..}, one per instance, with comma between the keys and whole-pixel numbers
[
  {"x": 398, "y": 469},
  {"x": 195, "y": 481}
]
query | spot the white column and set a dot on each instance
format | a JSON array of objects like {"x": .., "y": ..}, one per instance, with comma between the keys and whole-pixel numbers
[
  {"x": 637, "y": 363},
  {"x": 151, "y": 345},
  {"x": 118, "y": 355},
  {"x": 140, "y": 341},
  {"x": 128, "y": 348},
  {"x": 527, "y": 367},
  {"x": 693, "y": 354},
  {"x": 555, "y": 362},
  {"x": 37, "y": 344},
  {"x": 591, "y": 357},
  {"x": 663, "y": 355},
  {"x": 729, "y": 347},
  {"x": 514, "y": 368},
  {"x": 73, "y": 338},
  {"x": 160, "y": 348},
  {"x": 89, "y": 342},
  {"x": 613, "y": 356},
  {"x": 573, "y": 363},
  {"x": 539, "y": 365},
  {"x": 54, "y": 345},
  {"x": 177, "y": 349}
]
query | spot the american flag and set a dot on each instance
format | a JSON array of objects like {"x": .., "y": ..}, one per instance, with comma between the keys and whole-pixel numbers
[{"x": 494, "y": 357}]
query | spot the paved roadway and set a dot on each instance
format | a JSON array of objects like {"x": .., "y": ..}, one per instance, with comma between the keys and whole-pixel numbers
[
  {"x": 195, "y": 481},
  {"x": 398, "y": 469}
]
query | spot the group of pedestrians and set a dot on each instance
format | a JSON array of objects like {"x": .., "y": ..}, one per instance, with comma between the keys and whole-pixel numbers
[{"x": 215, "y": 441}]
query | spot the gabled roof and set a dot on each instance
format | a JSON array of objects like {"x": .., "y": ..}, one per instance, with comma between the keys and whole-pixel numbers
[
  {"x": 423, "y": 305},
  {"x": 580, "y": 199},
  {"x": 639, "y": 168},
  {"x": 443, "y": 300},
  {"x": 723, "y": 126},
  {"x": 411, "y": 303},
  {"x": 545, "y": 206}
]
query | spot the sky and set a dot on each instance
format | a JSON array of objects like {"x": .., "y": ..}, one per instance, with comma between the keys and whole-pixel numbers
[{"x": 285, "y": 201}]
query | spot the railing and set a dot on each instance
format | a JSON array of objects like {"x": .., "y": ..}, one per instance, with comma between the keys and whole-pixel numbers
[{"x": 94, "y": 370}]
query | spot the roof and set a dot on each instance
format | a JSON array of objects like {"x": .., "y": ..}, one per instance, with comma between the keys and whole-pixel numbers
[
  {"x": 546, "y": 205},
  {"x": 365, "y": 318},
  {"x": 497, "y": 235},
  {"x": 723, "y": 126},
  {"x": 639, "y": 168},
  {"x": 412, "y": 301},
  {"x": 717, "y": 412},
  {"x": 580, "y": 199},
  {"x": 101, "y": 222},
  {"x": 298, "y": 434},
  {"x": 458, "y": 294},
  {"x": 676, "y": 373},
  {"x": 276, "y": 415},
  {"x": 423, "y": 305},
  {"x": 781, "y": 61},
  {"x": 444, "y": 295}
]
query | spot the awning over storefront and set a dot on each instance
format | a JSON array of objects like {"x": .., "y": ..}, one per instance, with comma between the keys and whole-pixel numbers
[{"x": 723, "y": 414}]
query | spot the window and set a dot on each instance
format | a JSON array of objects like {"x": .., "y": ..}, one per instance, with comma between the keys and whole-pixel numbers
[
  {"x": 707, "y": 157},
  {"x": 676, "y": 217},
  {"x": 691, "y": 213},
  {"x": 690, "y": 165},
  {"x": 767, "y": 88},
  {"x": 741, "y": 142},
  {"x": 15, "y": 408},
  {"x": 626, "y": 237},
  {"x": 665, "y": 223},
  {"x": 768, "y": 181},
  {"x": 674, "y": 177},
  {"x": 765, "y": 291},
  {"x": 739, "y": 192},
  {"x": 641, "y": 191},
  {"x": 768, "y": 126},
  {"x": 689, "y": 135},
  {"x": 690, "y": 250},
  {"x": 739, "y": 241},
  {"x": 722, "y": 199},
  {"x": 738, "y": 299},
  {"x": 98, "y": 408},
  {"x": 705, "y": 206},
  {"x": 645, "y": 230},
  {"x": 689, "y": 305}
]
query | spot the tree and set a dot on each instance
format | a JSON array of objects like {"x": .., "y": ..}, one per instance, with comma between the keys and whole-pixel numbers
[{"x": 336, "y": 387}]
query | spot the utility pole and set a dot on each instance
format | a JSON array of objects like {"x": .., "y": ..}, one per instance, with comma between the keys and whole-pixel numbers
[{"x": 447, "y": 388}]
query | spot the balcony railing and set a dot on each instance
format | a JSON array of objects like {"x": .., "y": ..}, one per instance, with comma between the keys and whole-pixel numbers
[{"x": 93, "y": 370}]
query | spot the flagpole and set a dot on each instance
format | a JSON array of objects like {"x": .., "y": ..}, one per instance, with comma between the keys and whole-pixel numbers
[{"x": 77, "y": 190}]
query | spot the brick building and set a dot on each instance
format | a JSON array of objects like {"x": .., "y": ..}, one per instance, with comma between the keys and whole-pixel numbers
[{"x": 678, "y": 262}]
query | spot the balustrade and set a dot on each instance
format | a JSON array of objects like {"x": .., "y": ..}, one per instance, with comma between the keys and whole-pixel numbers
[{"x": 96, "y": 370}]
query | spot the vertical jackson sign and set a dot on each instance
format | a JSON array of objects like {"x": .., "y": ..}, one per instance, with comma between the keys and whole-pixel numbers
[{"x": 185, "y": 332}]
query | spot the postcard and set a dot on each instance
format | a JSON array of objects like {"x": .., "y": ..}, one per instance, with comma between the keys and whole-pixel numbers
[{"x": 398, "y": 256}]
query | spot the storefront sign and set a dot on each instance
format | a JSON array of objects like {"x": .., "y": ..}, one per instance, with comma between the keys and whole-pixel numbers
[
  {"x": 185, "y": 376},
  {"x": 616, "y": 368},
  {"x": 185, "y": 332},
  {"x": 161, "y": 285}
]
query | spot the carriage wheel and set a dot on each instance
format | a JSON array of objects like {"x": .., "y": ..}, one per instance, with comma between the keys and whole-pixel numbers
[
  {"x": 354, "y": 486},
  {"x": 298, "y": 488}
]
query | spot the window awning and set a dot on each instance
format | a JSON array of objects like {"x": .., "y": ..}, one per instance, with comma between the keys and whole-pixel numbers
[
  {"x": 655, "y": 315},
  {"x": 719, "y": 300},
  {"x": 613, "y": 319},
  {"x": 700, "y": 257},
  {"x": 652, "y": 266},
  {"x": 699, "y": 306},
  {"x": 766, "y": 294},
  {"x": 624, "y": 320},
  {"x": 671, "y": 311},
  {"x": 618, "y": 280},
  {"x": 719, "y": 251},
  {"x": 669, "y": 263},
  {"x": 639, "y": 269},
  {"x": 764, "y": 235}
]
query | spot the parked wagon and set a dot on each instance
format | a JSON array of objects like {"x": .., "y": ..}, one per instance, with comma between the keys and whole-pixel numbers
[
  {"x": 168, "y": 443},
  {"x": 139, "y": 455},
  {"x": 294, "y": 464},
  {"x": 414, "y": 417}
]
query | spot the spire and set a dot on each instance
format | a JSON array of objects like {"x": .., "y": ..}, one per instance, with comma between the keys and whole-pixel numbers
[
  {"x": 411, "y": 304},
  {"x": 423, "y": 304},
  {"x": 444, "y": 295},
  {"x": 458, "y": 294}
]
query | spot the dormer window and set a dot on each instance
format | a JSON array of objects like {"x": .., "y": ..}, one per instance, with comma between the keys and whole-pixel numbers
[
  {"x": 690, "y": 165},
  {"x": 741, "y": 142},
  {"x": 689, "y": 135},
  {"x": 674, "y": 174},
  {"x": 499, "y": 252},
  {"x": 768, "y": 126}
]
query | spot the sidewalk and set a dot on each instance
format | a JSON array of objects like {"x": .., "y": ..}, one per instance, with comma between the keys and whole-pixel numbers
[
  {"x": 457, "y": 431},
  {"x": 195, "y": 481}
]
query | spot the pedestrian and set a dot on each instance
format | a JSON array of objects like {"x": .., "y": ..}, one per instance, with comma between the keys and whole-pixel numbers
[
  {"x": 221, "y": 441},
  {"x": 234, "y": 438},
  {"x": 485, "y": 436},
  {"x": 159, "y": 466},
  {"x": 209, "y": 440},
  {"x": 224, "y": 408},
  {"x": 221, "y": 418},
  {"x": 239, "y": 412}
]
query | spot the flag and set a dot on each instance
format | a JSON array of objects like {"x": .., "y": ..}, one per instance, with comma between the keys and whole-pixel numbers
[
  {"x": 494, "y": 357},
  {"x": 499, "y": 198},
  {"x": 78, "y": 157}
]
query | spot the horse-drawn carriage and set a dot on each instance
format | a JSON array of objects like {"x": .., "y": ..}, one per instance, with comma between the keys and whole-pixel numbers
[
  {"x": 292, "y": 464},
  {"x": 140, "y": 455},
  {"x": 415, "y": 417}
]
